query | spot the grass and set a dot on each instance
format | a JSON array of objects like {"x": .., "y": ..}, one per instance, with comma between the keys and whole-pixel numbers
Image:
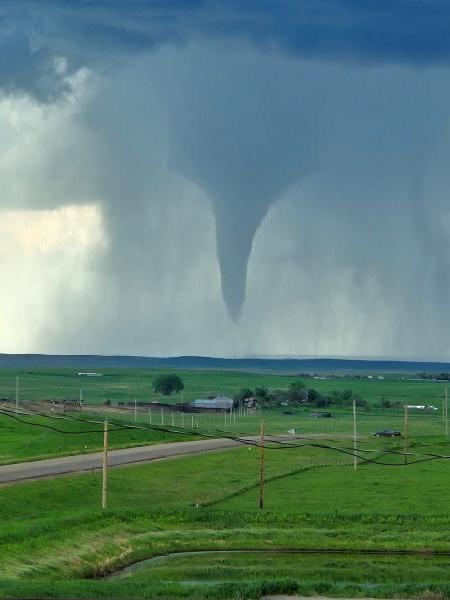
[
  {"x": 33, "y": 440},
  {"x": 55, "y": 540},
  {"x": 334, "y": 567},
  {"x": 417, "y": 489},
  {"x": 128, "y": 384},
  {"x": 20, "y": 441}
]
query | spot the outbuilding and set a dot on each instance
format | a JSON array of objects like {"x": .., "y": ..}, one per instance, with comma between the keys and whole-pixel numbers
[{"x": 219, "y": 402}]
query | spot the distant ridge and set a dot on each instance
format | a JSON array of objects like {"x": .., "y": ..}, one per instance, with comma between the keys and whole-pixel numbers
[{"x": 274, "y": 365}]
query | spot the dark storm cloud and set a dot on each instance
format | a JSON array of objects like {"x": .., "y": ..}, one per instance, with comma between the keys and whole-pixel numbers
[
  {"x": 356, "y": 30},
  {"x": 24, "y": 69},
  {"x": 344, "y": 102}
]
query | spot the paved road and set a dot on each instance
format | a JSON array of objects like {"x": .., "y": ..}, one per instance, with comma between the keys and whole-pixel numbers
[{"x": 84, "y": 462}]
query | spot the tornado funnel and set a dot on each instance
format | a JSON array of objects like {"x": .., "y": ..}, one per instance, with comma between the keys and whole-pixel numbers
[
  {"x": 235, "y": 231},
  {"x": 244, "y": 150}
]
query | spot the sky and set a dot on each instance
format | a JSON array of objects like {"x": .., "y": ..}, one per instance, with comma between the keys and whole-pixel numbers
[{"x": 225, "y": 178}]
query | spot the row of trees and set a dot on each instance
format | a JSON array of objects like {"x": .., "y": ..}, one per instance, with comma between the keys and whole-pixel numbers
[
  {"x": 435, "y": 376},
  {"x": 386, "y": 403},
  {"x": 298, "y": 394}
]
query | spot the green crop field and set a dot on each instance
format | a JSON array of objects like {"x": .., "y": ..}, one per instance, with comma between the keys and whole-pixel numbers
[
  {"x": 192, "y": 514},
  {"x": 129, "y": 384}
]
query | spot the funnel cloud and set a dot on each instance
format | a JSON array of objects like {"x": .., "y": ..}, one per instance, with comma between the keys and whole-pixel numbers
[{"x": 242, "y": 137}]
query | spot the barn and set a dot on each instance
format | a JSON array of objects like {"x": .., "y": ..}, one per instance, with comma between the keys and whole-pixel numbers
[{"x": 218, "y": 403}]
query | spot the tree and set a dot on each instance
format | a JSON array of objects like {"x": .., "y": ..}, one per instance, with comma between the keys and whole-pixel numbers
[
  {"x": 262, "y": 393},
  {"x": 166, "y": 384},
  {"x": 296, "y": 387},
  {"x": 296, "y": 392},
  {"x": 242, "y": 395},
  {"x": 317, "y": 399}
]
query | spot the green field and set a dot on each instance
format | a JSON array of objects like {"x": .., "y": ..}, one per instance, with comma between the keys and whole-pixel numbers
[
  {"x": 33, "y": 437},
  {"x": 30, "y": 437},
  {"x": 129, "y": 384},
  {"x": 54, "y": 537},
  {"x": 21, "y": 442},
  {"x": 56, "y": 542}
]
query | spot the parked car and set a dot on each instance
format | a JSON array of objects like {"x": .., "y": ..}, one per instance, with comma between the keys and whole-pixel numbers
[{"x": 387, "y": 433}]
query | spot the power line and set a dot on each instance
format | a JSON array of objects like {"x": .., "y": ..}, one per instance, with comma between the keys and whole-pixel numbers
[
  {"x": 43, "y": 425},
  {"x": 279, "y": 444}
]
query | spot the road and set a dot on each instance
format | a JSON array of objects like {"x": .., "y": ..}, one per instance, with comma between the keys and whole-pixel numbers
[{"x": 85, "y": 462}]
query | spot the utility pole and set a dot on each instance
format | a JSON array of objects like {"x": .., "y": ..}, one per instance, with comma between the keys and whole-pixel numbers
[
  {"x": 261, "y": 468},
  {"x": 192, "y": 422},
  {"x": 162, "y": 416},
  {"x": 355, "y": 448},
  {"x": 81, "y": 397},
  {"x": 17, "y": 393},
  {"x": 135, "y": 410},
  {"x": 446, "y": 411},
  {"x": 149, "y": 416},
  {"x": 405, "y": 432},
  {"x": 173, "y": 420},
  {"x": 105, "y": 465},
  {"x": 225, "y": 417}
]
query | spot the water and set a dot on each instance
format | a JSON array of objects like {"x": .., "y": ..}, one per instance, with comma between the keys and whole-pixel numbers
[{"x": 340, "y": 567}]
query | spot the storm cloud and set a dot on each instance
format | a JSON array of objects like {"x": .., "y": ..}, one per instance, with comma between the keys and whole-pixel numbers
[{"x": 308, "y": 148}]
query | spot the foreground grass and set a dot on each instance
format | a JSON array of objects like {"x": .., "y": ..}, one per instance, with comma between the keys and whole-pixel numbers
[
  {"x": 54, "y": 539},
  {"x": 236, "y": 590}
]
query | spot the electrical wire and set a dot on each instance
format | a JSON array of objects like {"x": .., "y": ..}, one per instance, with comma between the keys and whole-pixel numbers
[
  {"x": 278, "y": 443},
  {"x": 43, "y": 425}
]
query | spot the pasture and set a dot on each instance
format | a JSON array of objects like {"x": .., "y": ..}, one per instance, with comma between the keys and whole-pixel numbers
[
  {"x": 23, "y": 441},
  {"x": 129, "y": 384},
  {"x": 54, "y": 538},
  {"x": 56, "y": 542}
]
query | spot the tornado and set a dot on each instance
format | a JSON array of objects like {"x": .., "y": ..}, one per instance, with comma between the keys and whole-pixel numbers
[
  {"x": 236, "y": 226},
  {"x": 244, "y": 154},
  {"x": 240, "y": 204}
]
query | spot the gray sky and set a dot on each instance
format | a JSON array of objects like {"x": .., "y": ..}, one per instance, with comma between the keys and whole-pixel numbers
[{"x": 225, "y": 179}]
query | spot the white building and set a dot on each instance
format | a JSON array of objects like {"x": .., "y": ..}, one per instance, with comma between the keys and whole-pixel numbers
[
  {"x": 221, "y": 402},
  {"x": 89, "y": 374}
]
